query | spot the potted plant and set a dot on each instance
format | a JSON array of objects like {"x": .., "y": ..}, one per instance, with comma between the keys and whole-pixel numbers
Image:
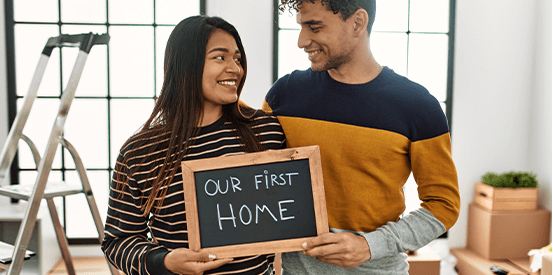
[
  {"x": 510, "y": 180},
  {"x": 507, "y": 191}
]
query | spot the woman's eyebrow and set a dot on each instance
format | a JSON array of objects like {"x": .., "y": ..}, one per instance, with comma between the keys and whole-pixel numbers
[{"x": 221, "y": 50}]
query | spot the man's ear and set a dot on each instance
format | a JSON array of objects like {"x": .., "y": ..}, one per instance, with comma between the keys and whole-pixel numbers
[{"x": 360, "y": 19}]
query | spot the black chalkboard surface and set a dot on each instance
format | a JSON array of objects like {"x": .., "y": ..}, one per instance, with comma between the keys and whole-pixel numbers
[{"x": 255, "y": 203}]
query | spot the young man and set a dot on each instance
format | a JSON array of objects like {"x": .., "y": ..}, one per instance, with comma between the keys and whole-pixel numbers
[{"x": 374, "y": 128}]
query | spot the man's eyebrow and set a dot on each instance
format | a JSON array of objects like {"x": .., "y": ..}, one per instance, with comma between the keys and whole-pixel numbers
[
  {"x": 221, "y": 50},
  {"x": 311, "y": 22}
]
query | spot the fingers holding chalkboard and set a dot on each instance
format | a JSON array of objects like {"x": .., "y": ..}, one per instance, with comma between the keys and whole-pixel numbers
[{"x": 186, "y": 261}]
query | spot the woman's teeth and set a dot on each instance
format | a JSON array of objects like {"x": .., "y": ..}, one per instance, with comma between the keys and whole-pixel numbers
[{"x": 230, "y": 83}]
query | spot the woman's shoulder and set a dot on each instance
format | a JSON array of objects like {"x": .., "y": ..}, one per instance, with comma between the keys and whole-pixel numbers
[
  {"x": 263, "y": 118},
  {"x": 256, "y": 116},
  {"x": 143, "y": 141}
]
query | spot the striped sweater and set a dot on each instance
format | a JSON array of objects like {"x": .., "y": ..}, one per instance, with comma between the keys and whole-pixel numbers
[
  {"x": 137, "y": 244},
  {"x": 371, "y": 136}
]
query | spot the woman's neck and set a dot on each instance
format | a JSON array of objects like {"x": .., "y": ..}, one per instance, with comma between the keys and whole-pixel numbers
[{"x": 211, "y": 114}]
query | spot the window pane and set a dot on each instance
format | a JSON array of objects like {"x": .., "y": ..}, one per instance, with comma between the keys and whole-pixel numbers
[
  {"x": 287, "y": 20},
  {"x": 428, "y": 62},
  {"x": 173, "y": 11},
  {"x": 429, "y": 16},
  {"x": 131, "y": 11},
  {"x": 38, "y": 128},
  {"x": 29, "y": 42},
  {"x": 87, "y": 129},
  {"x": 131, "y": 61},
  {"x": 390, "y": 49},
  {"x": 80, "y": 223},
  {"x": 84, "y": 11},
  {"x": 93, "y": 80},
  {"x": 162, "y": 35},
  {"x": 134, "y": 58},
  {"x": 391, "y": 15},
  {"x": 127, "y": 117},
  {"x": 290, "y": 57},
  {"x": 29, "y": 177},
  {"x": 41, "y": 11}
]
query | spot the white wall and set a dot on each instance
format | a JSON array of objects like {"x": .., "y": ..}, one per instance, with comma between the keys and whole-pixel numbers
[
  {"x": 502, "y": 95},
  {"x": 541, "y": 117},
  {"x": 253, "y": 20},
  {"x": 3, "y": 87},
  {"x": 502, "y": 86}
]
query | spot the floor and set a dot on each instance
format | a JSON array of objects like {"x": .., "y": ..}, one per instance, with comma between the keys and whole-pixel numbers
[
  {"x": 93, "y": 265},
  {"x": 89, "y": 266},
  {"x": 98, "y": 265},
  {"x": 84, "y": 266}
]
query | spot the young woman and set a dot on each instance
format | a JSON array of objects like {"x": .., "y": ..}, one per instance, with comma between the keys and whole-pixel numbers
[{"x": 197, "y": 115}]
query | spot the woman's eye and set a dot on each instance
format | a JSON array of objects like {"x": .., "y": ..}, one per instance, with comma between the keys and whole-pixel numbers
[
  {"x": 220, "y": 57},
  {"x": 238, "y": 59}
]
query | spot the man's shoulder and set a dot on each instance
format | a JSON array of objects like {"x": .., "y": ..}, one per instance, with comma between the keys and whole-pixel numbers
[
  {"x": 288, "y": 85},
  {"x": 297, "y": 76},
  {"x": 402, "y": 83},
  {"x": 403, "y": 89}
]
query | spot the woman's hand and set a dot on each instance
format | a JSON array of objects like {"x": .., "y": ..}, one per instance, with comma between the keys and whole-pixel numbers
[{"x": 186, "y": 261}]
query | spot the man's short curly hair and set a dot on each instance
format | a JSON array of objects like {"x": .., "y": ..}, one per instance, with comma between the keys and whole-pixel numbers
[{"x": 345, "y": 7}]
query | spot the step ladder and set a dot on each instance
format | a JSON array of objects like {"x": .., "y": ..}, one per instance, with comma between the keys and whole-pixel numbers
[
  {"x": 42, "y": 189},
  {"x": 6, "y": 253}
]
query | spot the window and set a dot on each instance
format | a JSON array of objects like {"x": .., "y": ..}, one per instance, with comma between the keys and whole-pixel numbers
[
  {"x": 412, "y": 37},
  {"x": 115, "y": 94}
]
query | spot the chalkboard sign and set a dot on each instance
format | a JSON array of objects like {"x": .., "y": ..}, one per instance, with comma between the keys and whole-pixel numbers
[{"x": 256, "y": 203}]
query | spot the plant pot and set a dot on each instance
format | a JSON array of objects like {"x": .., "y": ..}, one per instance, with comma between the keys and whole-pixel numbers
[{"x": 505, "y": 199}]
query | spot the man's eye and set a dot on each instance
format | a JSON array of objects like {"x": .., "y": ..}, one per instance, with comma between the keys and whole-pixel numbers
[{"x": 315, "y": 29}]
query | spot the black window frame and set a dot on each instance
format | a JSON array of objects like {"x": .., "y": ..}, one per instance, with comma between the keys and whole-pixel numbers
[
  {"x": 10, "y": 24},
  {"x": 450, "y": 61}
]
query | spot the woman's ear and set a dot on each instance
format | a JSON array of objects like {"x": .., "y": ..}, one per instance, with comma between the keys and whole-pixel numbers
[{"x": 360, "y": 20}]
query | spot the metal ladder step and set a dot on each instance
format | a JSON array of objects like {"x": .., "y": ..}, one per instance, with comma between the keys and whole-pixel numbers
[
  {"x": 53, "y": 189},
  {"x": 6, "y": 252}
]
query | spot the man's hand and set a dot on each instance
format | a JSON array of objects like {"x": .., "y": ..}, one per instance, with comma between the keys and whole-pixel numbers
[
  {"x": 341, "y": 249},
  {"x": 185, "y": 261}
]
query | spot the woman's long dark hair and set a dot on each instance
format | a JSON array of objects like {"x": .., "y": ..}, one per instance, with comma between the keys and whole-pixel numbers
[{"x": 179, "y": 109}]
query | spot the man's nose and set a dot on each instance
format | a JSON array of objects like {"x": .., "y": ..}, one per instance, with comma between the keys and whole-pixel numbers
[{"x": 303, "y": 39}]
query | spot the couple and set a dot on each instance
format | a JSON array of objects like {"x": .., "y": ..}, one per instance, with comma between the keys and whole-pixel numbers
[{"x": 373, "y": 126}]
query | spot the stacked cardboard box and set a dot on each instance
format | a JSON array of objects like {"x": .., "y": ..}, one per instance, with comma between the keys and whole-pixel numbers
[
  {"x": 424, "y": 262},
  {"x": 503, "y": 237},
  {"x": 546, "y": 264}
]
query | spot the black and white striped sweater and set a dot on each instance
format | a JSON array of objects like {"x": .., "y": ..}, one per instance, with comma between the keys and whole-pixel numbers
[{"x": 127, "y": 242}]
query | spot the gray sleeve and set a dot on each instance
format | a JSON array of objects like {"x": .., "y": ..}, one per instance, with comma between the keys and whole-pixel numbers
[{"x": 412, "y": 232}]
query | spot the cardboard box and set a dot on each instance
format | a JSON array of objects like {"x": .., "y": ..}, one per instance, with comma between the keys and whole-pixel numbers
[
  {"x": 470, "y": 263},
  {"x": 506, "y": 234},
  {"x": 424, "y": 263},
  {"x": 546, "y": 264},
  {"x": 524, "y": 264},
  {"x": 511, "y": 199}
]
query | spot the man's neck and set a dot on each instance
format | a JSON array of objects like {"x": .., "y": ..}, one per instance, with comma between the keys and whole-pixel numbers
[{"x": 359, "y": 70}]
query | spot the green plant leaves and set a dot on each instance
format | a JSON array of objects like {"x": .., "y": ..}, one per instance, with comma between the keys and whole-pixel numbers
[{"x": 510, "y": 180}]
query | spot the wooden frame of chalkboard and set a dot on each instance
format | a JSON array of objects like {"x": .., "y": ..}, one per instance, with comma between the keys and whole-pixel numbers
[{"x": 235, "y": 231}]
